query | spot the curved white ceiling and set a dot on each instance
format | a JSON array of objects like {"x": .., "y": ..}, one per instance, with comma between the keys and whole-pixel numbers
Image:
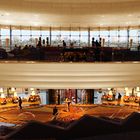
[
  {"x": 70, "y": 12},
  {"x": 69, "y": 75}
]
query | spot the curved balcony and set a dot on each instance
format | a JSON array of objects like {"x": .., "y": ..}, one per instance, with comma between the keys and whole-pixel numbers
[{"x": 69, "y": 75}]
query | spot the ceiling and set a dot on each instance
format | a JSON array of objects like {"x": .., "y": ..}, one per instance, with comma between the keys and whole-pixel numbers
[{"x": 66, "y": 13}]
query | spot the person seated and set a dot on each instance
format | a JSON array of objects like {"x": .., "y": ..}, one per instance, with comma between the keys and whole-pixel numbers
[{"x": 55, "y": 113}]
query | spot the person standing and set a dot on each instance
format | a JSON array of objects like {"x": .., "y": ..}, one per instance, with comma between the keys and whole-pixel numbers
[
  {"x": 20, "y": 102},
  {"x": 68, "y": 104},
  {"x": 119, "y": 98}
]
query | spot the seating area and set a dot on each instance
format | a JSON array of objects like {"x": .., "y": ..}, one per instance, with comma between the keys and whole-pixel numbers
[{"x": 61, "y": 54}]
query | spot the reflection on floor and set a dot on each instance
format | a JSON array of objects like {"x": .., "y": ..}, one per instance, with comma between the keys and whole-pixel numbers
[{"x": 44, "y": 113}]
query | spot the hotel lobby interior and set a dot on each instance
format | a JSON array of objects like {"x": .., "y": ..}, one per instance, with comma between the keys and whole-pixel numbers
[{"x": 69, "y": 69}]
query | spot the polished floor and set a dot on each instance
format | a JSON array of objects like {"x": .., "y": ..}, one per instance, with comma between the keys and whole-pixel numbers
[{"x": 44, "y": 113}]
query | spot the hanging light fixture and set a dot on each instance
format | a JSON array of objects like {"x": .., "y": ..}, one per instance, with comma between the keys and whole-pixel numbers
[
  {"x": 33, "y": 92},
  {"x": 15, "y": 94},
  {"x": 137, "y": 88},
  {"x": 1, "y": 90},
  {"x": 138, "y": 94},
  {"x": 109, "y": 88},
  {"x": 31, "y": 89},
  {"x": 110, "y": 92},
  {"x": 126, "y": 88},
  {"x": 13, "y": 89},
  {"x": 127, "y": 93},
  {"x": 2, "y": 95}
]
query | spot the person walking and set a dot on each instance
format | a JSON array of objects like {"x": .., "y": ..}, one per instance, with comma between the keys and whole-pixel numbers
[{"x": 20, "y": 102}]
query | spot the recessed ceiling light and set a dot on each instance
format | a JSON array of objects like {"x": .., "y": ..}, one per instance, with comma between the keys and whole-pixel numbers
[
  {"x": 7, "y": 21},
  {"x": 130, "y": 15},
  {"x": 7, "y": 14},
  {"x": 128, "y": 23},
  {"x": 35, "y": 24},
  {"x": 36, "y": 15}
]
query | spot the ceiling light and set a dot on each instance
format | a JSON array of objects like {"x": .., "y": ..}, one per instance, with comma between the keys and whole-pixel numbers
[
  {"x": 1, "y": 90},
  {"x": 35, "y": 24},
  {"x": 128, "y": 23},
  {"x": 138, "y": 94},
  {"x": 15, "y": 94},
  {"x": 130, "y": 15},
  {"x": 2, "y": 95},
  {"x": 36, "y": 15},
  {"x": 13, "y": 89},
  {"x": 126, "y": 88},
  {"x": 7, "y": 21},
  {"x": 31, "y": 89},
  {"x": 7, "y": 14},
  {"x": 101, "y": 24},
  {"x": 137, "y": 88}
]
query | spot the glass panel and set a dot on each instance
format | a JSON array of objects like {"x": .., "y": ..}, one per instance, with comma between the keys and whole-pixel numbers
[
  {"x": 113, "y": 41},
  {"x": 56, "y": 33},
  {"x": 74, "y": 33},
  {"x": 65, "y": 33},
  {"x": 36, "y": 33},
  {"x": 113, "y": 38},
  {"x": 45, "y": 33},
  {"x": 113, "y": 33},
  {"x": 85, "y": 33},
  {"x": 34, "y": 40},
  {"x": 123, "y": 39},
  {"x": 123, "y": 33},
  {"x": 16, "y": 40},
  {"x": 5, "y": 42},
  {"x": 26, "y": 32},
  {"x": 134, "y": 34},
  {"x": 66, "y": 38},
  {"x": 5, "y": 32},
  {"x": 106, "y": 44},
  {"x": 26, "y": 40},
  {"x": 104, "y": 34},
  {"x": 56, "y": 38},
  {"x": 123, "y": 42},
  {"x": 84, "y": 41},
  {"x": 15, "y": 32},
  {"x": 75, "y": 40},
  {"x": 94, "y": 34}
]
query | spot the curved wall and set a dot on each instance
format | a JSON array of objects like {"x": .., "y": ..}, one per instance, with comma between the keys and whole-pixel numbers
[{"x": 69, "y": 75}]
